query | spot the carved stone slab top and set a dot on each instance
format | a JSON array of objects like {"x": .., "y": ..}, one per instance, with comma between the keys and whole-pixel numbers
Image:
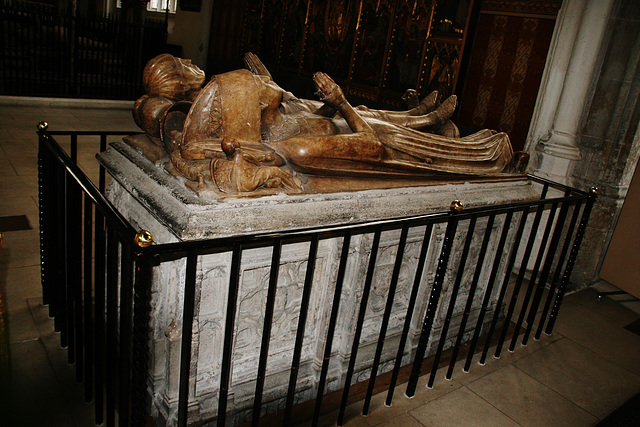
[{"x": 143, "y": 179}]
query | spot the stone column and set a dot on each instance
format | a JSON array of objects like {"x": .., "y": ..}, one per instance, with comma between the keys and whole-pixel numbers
[
  {"x": 571, "y": 63},
  {"x": 206, "y": 12},
  {"x": 609, "y": 135}
]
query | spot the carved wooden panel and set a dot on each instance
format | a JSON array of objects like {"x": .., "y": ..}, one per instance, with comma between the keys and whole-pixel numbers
[
  {"x": 411, "y": 31},
  {"x": 330, "y": 27},
  {"x": 375, "y": 49}
]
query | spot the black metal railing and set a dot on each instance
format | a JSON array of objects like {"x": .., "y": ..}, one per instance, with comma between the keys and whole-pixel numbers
[
  {"x": 514, "y": 262},
  {"x": 49, "y": 52}
]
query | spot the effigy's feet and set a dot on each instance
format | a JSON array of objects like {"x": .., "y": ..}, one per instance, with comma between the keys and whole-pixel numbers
[
  {"x": 427, "y": 105},
  {"x": 434, "y": 119},
  {"x": 447, "y": 108}
]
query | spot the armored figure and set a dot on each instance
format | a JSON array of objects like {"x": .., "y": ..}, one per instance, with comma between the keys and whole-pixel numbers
[{"x": 248, "y": 135}]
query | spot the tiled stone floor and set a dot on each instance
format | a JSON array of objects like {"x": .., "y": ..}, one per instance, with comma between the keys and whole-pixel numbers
[{"x": 585, "y": 370}]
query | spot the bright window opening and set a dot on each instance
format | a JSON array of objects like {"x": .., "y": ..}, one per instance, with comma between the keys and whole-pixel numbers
[{"x": 156, "y": 5}]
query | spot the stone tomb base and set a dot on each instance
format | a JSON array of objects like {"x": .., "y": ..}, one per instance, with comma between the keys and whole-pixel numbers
[{"x": 153, "y": 200}]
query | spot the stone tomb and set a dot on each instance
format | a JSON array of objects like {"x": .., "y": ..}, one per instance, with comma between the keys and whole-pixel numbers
[{"x": 154, "y": 200}]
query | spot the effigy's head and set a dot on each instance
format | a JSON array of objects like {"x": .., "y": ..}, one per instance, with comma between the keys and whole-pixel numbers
[
  {"x": 173, "y": 78},
  {"x": 227, "y": 107}
]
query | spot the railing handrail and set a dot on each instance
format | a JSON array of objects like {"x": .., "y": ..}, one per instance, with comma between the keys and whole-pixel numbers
[
  {"x": 327, "y": 231},
  {"x": 115, "y": 218},
  {"x": 91, "y": 132}
]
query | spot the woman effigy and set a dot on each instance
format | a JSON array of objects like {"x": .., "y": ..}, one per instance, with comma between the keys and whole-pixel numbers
[{"x": 246, "y": 134}]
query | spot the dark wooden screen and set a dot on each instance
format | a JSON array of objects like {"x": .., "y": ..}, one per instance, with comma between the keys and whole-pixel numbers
[{"x": 375, "y": 49}]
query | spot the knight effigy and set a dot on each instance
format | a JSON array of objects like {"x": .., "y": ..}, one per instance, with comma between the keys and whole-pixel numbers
[{"x": 243, "y": 135}]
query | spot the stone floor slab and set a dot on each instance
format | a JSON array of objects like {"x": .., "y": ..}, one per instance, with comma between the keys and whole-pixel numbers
[
  {"x": 527, "y": 401},
  {"x": 585, "y": 378},
  {"x": 461, "y": 407}
]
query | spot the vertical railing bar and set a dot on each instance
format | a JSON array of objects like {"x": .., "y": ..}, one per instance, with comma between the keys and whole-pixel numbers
[
  {"x": 126, "y": 320},
  {"x": 546, "y": 269},
  {"x": 471, "y": 295},
  {"x": 505, "y": 283},
  {"x": 74, "y": 148},
  {"x": 302, "y": 320},
  {"x": 558, "y": 271},
  {"x": 497, "y": 260},
  {"x": 51, "y": 213},
  {"x": 141, "y": 333},
  {"x": 332, "y": 326},
  {"x": 71, "y": 262},
  {"x": 75, "y": 276},
  {"x": 417, "y": 280},
  {"x": 393, "y": 284},
  {"x": 516, "y": 289},
  {"x": 60, "y": 321},
  {"x": 266, "y": 330},
  {"x": 373, "y": 255},
  {"x": 43, "y": 216},
  {"x": 99, "y": 323},
  {"x": 432, "y": 305},
  {"x": 571, "y": 260},
  {"x": 112, "y": 325},
  {"x": 534, "y": 275},
  {"x": 229, "y": 329},
  {"x": 88, "y": 299},
  {"x": 545, "y": 189},
  {"x": 452, "y": 300},
  {"x": 187, "y": 334},
  {"x": 101, "y": 170},
  {"x": 47, "y": 216}
]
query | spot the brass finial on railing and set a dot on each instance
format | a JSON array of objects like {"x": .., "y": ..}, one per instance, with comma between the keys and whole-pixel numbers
[
  {"x": 456, "y": 205},
  {"x": 594, "y": 190},
  {"x": 43, "y": 126},
  {"x": 143, "y": 238}
]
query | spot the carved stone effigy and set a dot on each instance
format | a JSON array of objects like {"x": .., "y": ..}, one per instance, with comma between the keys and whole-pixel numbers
[
  {"x": 243, "y": 135},
  {"x": 190, "y": 181}
]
